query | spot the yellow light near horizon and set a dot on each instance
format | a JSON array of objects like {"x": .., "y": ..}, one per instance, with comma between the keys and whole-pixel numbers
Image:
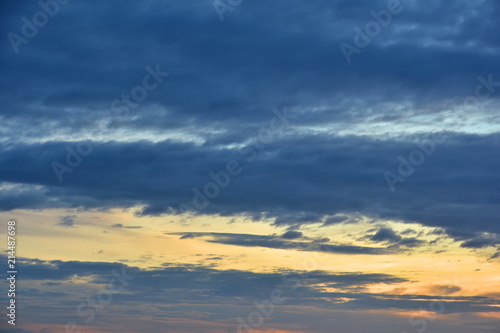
[{"x": 93, "y": 238}]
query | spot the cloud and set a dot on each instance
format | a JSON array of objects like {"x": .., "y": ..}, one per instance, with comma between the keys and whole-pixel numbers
[
  {"x": 326, "y": 166},
  {"x": 410, "y": 242},
  {"x": 352, "y": 124},
  {"x": 435, "y": 195},
  {"x": 481, "y": 242},
  {"x": 205, "y": 294},
  {"x": 193, "y": 285},
  {"x": 292, "y": 235},
  {"x": 443, "y": 290},
  {"x": 189, "y": 235},
  {"x": 394, "y": 240},
  {"x": 341, "y": 219},
  {"x": 282, "y": 58},
  {"x": 67, "y": 221},
  {"x": 385, "y": 235},
  {"x": 195, "y": 277},
  {"x": 276, "y": 242},
  {"x": 121, "y": 226},
  {"x": 495, "y": 256},
  {"x": 408, "y": 232}
]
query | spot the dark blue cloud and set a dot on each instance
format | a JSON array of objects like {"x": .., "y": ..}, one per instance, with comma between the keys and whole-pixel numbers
[
  {"x": 190, "y": 286},
  {"x": 228, "y": 75},
  {"x": 277, "y": 242},
  {"x": 225, "y": 77},
  {"x": 385, "y": 234},
  {"x": 67, "y": 221},
  {"x": 393, "y": 239},
  {"x": 119, "y": 225},
  {"x": 352, "y": 123},
  {"x": 291, "y": 234},
  {"x": 295, "y": 179},
  {"x": 481, "y": 242}
]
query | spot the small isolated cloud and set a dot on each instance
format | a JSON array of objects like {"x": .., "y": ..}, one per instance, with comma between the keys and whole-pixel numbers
[
  {"x": 391, "y": 237},
  {"x": 443, "y": 290},
  {"x": 292, "y": 235},
  {"x": 190, "y": 235},
  {"x": 67, "y": 221},
  {"x": 119, "y": 225},
  {"x": 386, "y": 235}
]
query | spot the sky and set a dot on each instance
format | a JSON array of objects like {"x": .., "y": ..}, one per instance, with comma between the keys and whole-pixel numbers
[{"x": 251, "y": 166}]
